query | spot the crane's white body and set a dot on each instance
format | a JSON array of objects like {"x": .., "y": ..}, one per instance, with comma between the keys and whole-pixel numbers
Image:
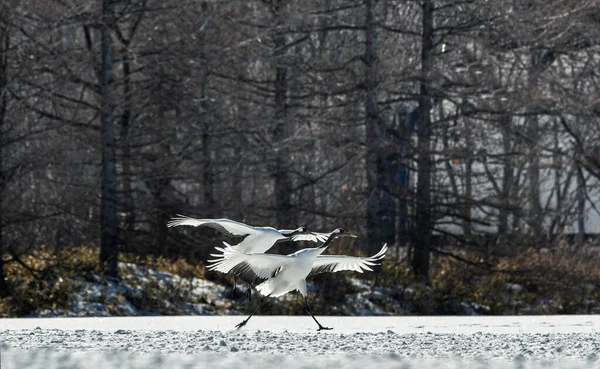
[
  {"x": 260, "y": 240},
  {"x": 286, "y": 273},
  {"x": 293, "y": 275},
  {"x": 257, "y": 239}
]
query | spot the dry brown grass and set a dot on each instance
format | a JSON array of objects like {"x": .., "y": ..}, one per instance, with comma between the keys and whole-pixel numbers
[
  {"x": 46, "y": 278},
  {"x": 533, "y": 281},
  {"x": 536, "y": 281}
]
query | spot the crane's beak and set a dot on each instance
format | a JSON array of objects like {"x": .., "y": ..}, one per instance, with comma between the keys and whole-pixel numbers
[{"x": 349, "y": 235}]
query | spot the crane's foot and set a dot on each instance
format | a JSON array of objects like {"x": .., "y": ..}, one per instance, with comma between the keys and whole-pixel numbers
[
  {"x": 321, "y": 328},
  {"x": 240, "y": 325}
]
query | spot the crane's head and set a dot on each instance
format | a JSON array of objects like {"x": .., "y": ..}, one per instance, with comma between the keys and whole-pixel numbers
[
  {"x": 299, "y": 230},
  {"x": 339, "y": 232}
]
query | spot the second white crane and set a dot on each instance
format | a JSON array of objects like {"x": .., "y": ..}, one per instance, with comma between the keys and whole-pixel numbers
[
  {"x": 256, "y": 239},
  {"x": 285, "y": 273}
]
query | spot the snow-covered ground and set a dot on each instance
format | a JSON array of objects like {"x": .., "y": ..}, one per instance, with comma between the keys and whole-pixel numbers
[{"x": 293, "y": 342}]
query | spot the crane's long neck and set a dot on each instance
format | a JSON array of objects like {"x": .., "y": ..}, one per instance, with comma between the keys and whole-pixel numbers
[
  {"x": 329, "y": 239},
  {"x": 291, "y": 233}
]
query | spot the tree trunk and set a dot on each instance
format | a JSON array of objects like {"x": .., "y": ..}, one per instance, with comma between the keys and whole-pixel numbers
[
  {"x": 539, "y": 62},
  {"x": 581, "y": 191},
  {"x": 468, "y": 195},
  {"x": 108, "y": 201},
  {"x": 374, "y": 149},
  {"x": 535, "y": 209},
  {"x": 407, "y": 116},
  {"x": 422, "y": 236},
  {"x": 460, "y": 198},
  {"x": 162, "y": 216},
  {"x": 4, "y": 45},
  {"x": 507, "y": 177},
  {"x": 208, "y": 177},
  {"x": 383, "y": 163},
  {"x": 127, "y": 192},
  {"x": 557, "y": 164},
  {"x": 283, "y": 184},
  {"x": 236, "y": 199},
  {"x": 515, "y": 196},
  {"x": 4, "y": 288}
]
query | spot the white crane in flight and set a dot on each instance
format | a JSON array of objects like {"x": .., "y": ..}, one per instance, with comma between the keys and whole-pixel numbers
[
  {"x": 256, "y": 239},
  {"x": 285, "y": 273}
]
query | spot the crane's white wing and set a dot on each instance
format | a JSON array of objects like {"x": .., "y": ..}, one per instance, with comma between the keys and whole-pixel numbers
[
  {"x": 311, "y": 236},
  {"x": 337, "y": 263},
  {"x": 249, "y": 267},
  {"x": 226, "y": 226}
]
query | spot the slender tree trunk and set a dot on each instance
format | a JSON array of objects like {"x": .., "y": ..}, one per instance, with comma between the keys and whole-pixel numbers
[
  {"x": 468, "y": 195},
  {"x": 237, "y": 177},
  {"x": 452, "y": 177},
  {"x": 422, "y": 238},
  {"x": 516, "y": 196},
  {"x": 373, "y": 160},
  {"x": 535, "y": 215},
  {"x": 208, "y": 177},
  {"x": 4, "y": 288},
  {"x": 283, "y": 184},
  {"x": 407, "y": 116},
  {"x": 127, "y": 193},
  {"x": 4, "y": 45},
  {"x": 507, "y": 177},
  {"x": 557, "y": 163},
  {"x": 163, "y": 214},
  {"x": 539, "y": 62},
  {"x": 108, "y": 201},
  {"x": 382, "y": 159},
  {"x": 237, "y": 193},
  {"x": 581, "y": 191}
]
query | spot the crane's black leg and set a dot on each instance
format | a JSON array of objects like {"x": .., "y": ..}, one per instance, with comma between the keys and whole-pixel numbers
[
  {"x": 243, "y": 323},
  {"x": 315, "y": 319},
  {"x": 234, "y": 287},
  {"x": 249, "y": 292}
]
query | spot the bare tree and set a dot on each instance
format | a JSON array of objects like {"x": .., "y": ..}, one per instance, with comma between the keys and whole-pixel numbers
[
  {"x": 108, "y": 202},
  {"x": 423, "y": 216},
  {"x": 381, "y": 207},
  {"x": 4, "y": 175},
  {"x": 281, "y": 130}
]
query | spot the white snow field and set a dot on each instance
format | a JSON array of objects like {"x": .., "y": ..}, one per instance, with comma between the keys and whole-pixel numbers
[{"x": 274, "y": 342}]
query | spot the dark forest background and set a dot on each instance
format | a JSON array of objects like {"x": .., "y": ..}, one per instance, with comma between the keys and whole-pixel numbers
[{"x": 466, "y": 129}]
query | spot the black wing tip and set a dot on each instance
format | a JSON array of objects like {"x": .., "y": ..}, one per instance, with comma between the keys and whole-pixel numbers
[
  {"x": 244, "y": 271},
  {"x": 327, "y": 268}
]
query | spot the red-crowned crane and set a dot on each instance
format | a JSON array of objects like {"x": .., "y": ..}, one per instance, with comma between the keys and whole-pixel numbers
[
  {"x": 285, "y": 273},
  {"x": 256, "y": 239}
]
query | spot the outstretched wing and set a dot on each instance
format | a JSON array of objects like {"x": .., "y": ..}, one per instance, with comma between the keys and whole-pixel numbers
[
  {"x": 337, "y": 263},
  {"x": 311, "y": 236},
  {"x": 305, "y": 235},
  {"x": 228, "y": 227},
  {"x": 249, "y": 267}
]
